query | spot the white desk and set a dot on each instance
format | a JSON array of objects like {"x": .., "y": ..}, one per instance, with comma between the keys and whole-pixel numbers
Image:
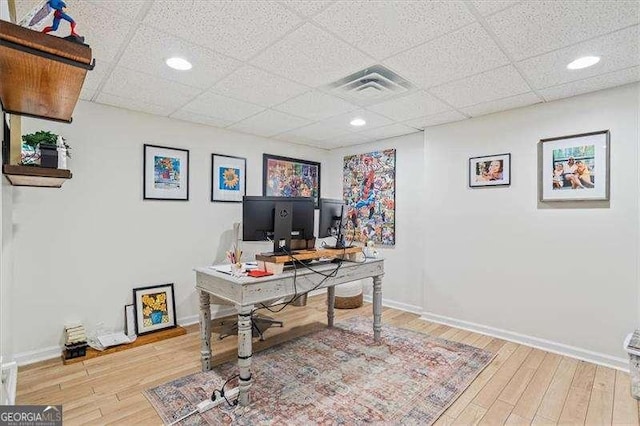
[{"x": 245, "y": 292}]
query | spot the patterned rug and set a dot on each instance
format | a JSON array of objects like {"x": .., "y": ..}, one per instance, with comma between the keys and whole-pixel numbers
[{"x": 336, "y": 376}]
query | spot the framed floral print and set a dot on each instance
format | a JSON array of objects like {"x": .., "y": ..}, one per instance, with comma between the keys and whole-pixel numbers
[
  {"x": 228, "y": 178},
  {"x": 155, "y": 308},
  {"x": 166, "y": 173}
]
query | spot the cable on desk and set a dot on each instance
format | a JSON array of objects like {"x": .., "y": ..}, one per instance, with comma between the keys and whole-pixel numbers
[{"x": 296, "y": 296}]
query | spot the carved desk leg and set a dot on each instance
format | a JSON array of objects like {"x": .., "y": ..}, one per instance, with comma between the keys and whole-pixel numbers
[
  {"x": 244, "y": 354},
  {"x": 377, "y": 307},
  {"x": 331, "y": 301},
  {"x": 205, "y": 331}
]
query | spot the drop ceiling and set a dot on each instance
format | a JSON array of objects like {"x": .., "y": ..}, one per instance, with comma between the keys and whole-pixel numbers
[{"x": 267, "y": 67}]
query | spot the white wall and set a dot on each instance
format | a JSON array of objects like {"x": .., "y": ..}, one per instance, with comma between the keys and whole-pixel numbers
[
  {"x": 80, "y": 250},
  {"x": 402, "y": 284},
  {"x": 495, "y": 257},
  {"x": 6, "y": 266}
]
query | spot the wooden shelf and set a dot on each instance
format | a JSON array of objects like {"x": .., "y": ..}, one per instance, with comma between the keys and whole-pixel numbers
[
  {"x": 42, "y": 75},
  {"x": 141, "y": 340},
  {"x": 35, "y": 176},
  {"x": 310, "y": 254}
]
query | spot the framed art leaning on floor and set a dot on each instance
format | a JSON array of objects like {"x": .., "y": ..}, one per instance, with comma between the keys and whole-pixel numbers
[
  {"x": 155, "y": 308},
  {"x": 574, "y": 168}
]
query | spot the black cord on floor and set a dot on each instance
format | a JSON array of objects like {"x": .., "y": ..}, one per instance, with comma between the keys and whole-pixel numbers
[{"x": 221, "y": 390}]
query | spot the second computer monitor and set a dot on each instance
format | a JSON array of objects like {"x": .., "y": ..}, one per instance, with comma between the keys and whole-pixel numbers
[{"x": 332, "y": 220}]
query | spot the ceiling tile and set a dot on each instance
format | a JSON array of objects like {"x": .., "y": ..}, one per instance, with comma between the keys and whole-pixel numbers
[
  {"x": 306, "y": 7},
  {"x": 534, "y": 27},
  {"x": 133, "y": 104},
  {"x": 383, "y": 28},
  {"x": 511, "y": 102},
  {"x": 93, "y": 79},
  {"x": 617, "y": 78},
  {"x": 348, "y": 140},
  {"x": 294, "y": 138},
  {"x": 317, "y": 131},
  {"x": 104, "y": 31},
  {"x": 315, "y": 105},
  {"x": 128, "y": 83},
  {"x": 436, "y": 119},
  {"x": 312, "y": 57},
  {"x": 490, "y": 85},
  {"x": 149, "y": 49},
  {"x": 129, "y": 8},
  {"x": 200, "y": 119},
  {"x": 269, "y": 123},
  {"x": 414, "y": 105},
  {"x": 257, "y": 86},
  {"x": 342, "y": 121},
  {"x": 456, "y": 55},
  {"x": 617, "y": 51},
  {"x": 386, "y": 132},
  {"x": 236, "y": 28},
  {"x": 213, "y": 105},
  {"x": 488, "y": 7}
]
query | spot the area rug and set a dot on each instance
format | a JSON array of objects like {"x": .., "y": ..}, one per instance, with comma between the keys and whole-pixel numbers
[{"x": 336, "y": 376}]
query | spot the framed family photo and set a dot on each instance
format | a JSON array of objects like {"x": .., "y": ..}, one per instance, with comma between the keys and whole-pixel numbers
[
  {"x": 574, "y": 168},
  {"x": 290, "y": 177},
  {"x": 166, "y": 173},
  {"x": 154, "y": 307},
  {"x": 228, "y": 178},
  {"x": 490, "y": 170}
]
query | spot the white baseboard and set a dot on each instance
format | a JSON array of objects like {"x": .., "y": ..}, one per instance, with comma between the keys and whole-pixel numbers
[
  {"x": 44, "y": 354},
  {"x": 29, "y": 357},
  {"x": 546, "y": 345},
  {"x": 396, "y": 305}
]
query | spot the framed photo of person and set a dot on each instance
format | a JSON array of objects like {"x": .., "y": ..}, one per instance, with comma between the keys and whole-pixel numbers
[
  {"x": 154, "y": 307},
  {"x": 228, "y": 178},
  {"x": 574, "y": 168},
  {"x": 490, "y": 170},
  {"x": 290, "y": 177},
  {"x": 166, "y": 173}
]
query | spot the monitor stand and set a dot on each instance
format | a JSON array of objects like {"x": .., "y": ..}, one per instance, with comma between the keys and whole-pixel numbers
[{"x": 282, "y": 224}]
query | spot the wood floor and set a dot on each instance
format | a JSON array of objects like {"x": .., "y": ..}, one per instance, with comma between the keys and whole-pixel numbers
[{"x": 522, "y": 385}]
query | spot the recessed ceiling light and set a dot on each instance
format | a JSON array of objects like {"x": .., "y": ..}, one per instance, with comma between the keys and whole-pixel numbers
[
  {"x": 358, "y": 122},
  {"x": 584, "y": 62},
  {"x": 179, "y": 64}
]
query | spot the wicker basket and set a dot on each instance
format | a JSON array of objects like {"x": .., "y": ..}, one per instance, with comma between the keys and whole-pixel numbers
[
  {"x": 349, "y": 295},
  {"x": 348, "y": 302}
]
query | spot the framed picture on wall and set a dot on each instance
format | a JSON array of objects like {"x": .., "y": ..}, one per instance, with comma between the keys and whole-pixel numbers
[
  {"x": 228, "y": 178},
  {"x": 574, "y": 168},
  {"x": 166, "y": 173},
  {"x": 155, "y": 308},
  {"x": 290, "y": 177},
  {"x": 490, "y": 170}
]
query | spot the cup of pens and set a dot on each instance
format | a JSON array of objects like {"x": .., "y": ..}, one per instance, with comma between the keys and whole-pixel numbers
[{"x": 233, "y": 256}]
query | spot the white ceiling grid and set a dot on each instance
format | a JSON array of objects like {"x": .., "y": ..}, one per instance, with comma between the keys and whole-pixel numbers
[{"x": 263, "y": 67}]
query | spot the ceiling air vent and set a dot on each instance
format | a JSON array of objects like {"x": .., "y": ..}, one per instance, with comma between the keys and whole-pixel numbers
[{"x": 371, "y": 85}]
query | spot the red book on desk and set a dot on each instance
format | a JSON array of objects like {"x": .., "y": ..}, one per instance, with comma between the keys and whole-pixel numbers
[{"x": 257, "y": 273}]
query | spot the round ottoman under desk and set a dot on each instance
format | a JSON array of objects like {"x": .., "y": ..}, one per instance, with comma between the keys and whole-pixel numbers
[{"x": 349, "y": 295}]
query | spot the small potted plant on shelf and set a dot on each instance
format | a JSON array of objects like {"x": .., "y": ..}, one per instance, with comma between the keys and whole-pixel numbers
[{"x": 44, "y": 149}]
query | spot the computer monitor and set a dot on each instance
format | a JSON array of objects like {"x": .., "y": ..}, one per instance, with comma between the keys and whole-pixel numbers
[
  {"x": 332, "y": 220},
  {"x": 279, "y": 219}
]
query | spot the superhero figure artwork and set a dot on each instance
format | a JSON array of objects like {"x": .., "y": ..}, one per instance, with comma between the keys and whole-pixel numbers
[{"x": 369, "y": 193}]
